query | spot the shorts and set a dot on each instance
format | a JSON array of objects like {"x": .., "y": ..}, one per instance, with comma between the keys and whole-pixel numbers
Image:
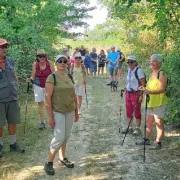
[
  {"x": 39, "y": 93},
  {"x": 79, "y": 90},
  {"x": 113, "y": 71},
  {"x": 94, "y": 68},
  {"x": 100, "y": 65},
  {"x": 158, "y": 112},
  {"x": 9, "y": 111},
  {"x": 119, "y": 65}
]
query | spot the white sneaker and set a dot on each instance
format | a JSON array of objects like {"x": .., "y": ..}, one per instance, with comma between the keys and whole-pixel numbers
[
  {"x": 79, "y": 111},
  {"x": 136, "y": 132}
]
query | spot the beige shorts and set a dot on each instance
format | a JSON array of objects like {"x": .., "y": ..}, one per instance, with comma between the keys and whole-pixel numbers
[
  {"x": 158, "y": 112},
  {"x": 79, "y": 90},
  {"x": 39, "y": 93}
]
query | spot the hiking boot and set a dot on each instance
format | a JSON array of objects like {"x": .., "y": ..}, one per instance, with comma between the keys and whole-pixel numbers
[
  {"x": 155, "y": 146},
  {"x": 79, "y": 112},
  {"x": 1, "y": 150},
  {"x": 16, "y": 148},
  {"x": 67, "y": 163},
  {"x": 136, "y": 132},
  {"x": 48, "y": 168},
  {"x": 141, "y": 142},
  {"x": 42, "y": 125},
  {"x": 130, "y": 130}
]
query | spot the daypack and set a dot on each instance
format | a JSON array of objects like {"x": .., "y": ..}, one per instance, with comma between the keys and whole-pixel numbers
[
  {"x": 54, "y": 77},
  {"x": 168, "y": 86},
  {"x": 136, "y": 75}
]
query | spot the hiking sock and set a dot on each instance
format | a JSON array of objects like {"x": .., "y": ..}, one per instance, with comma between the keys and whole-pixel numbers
[
  {"x": 12, "y": 139},
  {"x": 1, "y": 142}
]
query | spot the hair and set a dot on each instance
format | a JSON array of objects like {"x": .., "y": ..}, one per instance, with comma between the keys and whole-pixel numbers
[
  {"x": 102, "y": 50},
  {"x": 93, "y": 48},
  {"x": 38, "y": 59},
  {"x": 157, "y": 57}
]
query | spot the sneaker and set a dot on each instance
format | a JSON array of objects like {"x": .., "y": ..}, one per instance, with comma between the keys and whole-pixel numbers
[
  {"x": 79, "y": 111},
  {"x": 155, "y": 146},
  {"x": 42, "y": 125},
  {"x": 130, "y": 130},
  {"x": 48, "y": 167},
  {"x": 136, "y": 132},
  {"x": 67, "y": 163},
  {"x": 1, "y": 150},
  {"x": 141, "y": 142},
  {"x": 16, "y": 148}
]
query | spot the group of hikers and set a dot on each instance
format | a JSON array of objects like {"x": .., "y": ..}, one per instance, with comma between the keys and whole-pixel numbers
[{"x": 62, "y": 89}]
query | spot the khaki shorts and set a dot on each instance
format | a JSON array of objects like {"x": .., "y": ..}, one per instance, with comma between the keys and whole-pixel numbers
[
  {"x": 9, "y": 111},
  {"x": 113, "y": 71},
  {"x": 158, "y": 112}
]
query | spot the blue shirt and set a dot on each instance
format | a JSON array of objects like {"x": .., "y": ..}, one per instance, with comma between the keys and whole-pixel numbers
[
  {"x": 113, "y": 56},
  {"x": 87, "y": 60},
  {"x": 93, "y": 56}
]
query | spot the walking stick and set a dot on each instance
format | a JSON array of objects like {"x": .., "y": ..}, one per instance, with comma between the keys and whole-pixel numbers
[
  {"x": 26, "y": 107},
  {"x": 147, "y": 101},
  {"x": 137, "y": 100},
  {"x": 86, "y": 95},
  {"x": 121, "y": 95}
]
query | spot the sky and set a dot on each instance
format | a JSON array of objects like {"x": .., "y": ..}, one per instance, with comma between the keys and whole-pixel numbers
[{"x": 99, "y": 16}]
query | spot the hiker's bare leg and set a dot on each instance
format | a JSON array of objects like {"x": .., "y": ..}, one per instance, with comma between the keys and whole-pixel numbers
[
  {"x": 41, "y": 110},
  {"x": 62, "y": 151},
  {"x": 79, "y": 101},
  {"x": 149, "y": 126},
  {"x": 159, "y": 129}
]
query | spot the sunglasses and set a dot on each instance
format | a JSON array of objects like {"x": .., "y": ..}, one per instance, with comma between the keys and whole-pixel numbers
[
  {"x": 4, "y": 46},
  {"x": 130, "y": 62},
  {"x": 62, "y": 61},
  {"x": 41, "y": 56},
  {"x": 78, "y": 58}
]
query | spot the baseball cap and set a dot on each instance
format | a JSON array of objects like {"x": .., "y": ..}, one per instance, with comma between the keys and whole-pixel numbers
[
  {"x": 133, "y": 58},
  {"x": 41, "y": 51},
  {"x": 60, "y": 56},
  {"x": 3, "y": 42}
]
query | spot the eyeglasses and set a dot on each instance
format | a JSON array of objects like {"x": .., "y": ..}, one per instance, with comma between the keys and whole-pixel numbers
[
  {"x": 62, "y": 61},
  {"x": 78, "y": 58},
  {"x": 41, "y": 56},
  {"x": 130, "y": 62},
  {"x": 4, "y": 46}
]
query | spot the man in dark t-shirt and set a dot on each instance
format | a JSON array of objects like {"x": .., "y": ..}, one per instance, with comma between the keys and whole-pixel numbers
[{"x": 83, "y": 52}]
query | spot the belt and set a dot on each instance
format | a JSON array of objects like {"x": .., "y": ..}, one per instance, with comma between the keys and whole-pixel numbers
[{"x": 131, "y": 92}]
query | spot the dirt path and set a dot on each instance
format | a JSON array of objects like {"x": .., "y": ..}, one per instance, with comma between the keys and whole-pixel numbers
[{"x": 95, "y": 147}]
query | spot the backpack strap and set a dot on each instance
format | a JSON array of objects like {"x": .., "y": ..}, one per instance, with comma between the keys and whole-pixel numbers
[
  {"x": 70, "y": 76},
  {"x": 37, "y": 65},
  {"x": 158, "y": 75},
  {"x": 54, "y": 77},
  {"x": 136, "y": 75}
]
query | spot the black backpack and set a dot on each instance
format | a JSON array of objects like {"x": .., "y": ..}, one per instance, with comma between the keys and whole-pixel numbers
[
  {"x": 54, "y": 77},
  {"x": 136, "y": 75}
]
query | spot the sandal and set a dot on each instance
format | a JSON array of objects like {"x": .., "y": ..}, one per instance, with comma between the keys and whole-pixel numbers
[{"x": 66, "y": 162}]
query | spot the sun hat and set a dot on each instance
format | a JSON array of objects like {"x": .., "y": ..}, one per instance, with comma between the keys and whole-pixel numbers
[
  {"x": 77, "y": 55},
  {"x": 41, "y": 51},
  {"x": 3, "y": 42},
  {"x": 132, "y": 58},
  {"x": 60, "y": 56}
]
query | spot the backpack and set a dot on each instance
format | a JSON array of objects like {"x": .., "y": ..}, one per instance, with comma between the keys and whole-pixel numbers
[
  {"x": 120, "y": 53},
  {"x": 168, "y": 86},
  {"x": 70, "y": 77},
  {"x": 136, "y": 75}
]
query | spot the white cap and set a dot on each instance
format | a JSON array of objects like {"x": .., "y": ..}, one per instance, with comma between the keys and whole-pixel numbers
[
  {"x": 112, "y": 46},
  {"x": 118, "y": 49},
  {"x": 78, "y": 55},
  {"x": 133, "y": 58},
  {"x": 60, "y": 56}
]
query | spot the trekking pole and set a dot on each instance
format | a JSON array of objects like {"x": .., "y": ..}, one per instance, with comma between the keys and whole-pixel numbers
[
  {"x": 121, "y": 95},
  {"x": 137, "y": 100},
  {"x": 26, "y": 107},
  {"x": 147, "y": 101},
  {"x": 86, "y": 95}
]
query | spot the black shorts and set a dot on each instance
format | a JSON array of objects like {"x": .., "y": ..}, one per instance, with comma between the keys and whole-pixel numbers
[{"x": 100, "y": 65}]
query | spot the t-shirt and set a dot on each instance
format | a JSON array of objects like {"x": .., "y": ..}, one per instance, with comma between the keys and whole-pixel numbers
[
  {"x": 78, "y": 75},
  {"x": 132, "y": 83},
  {"x": 113, "y": 57},
  {"x": 101, "y": 58},
  {"x": 83, "y": 52},
  {"x": 63, "y": 94},
  {"x": 93, "y": 56}
]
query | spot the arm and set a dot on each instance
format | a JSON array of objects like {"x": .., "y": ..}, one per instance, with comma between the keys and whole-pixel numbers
[
  {"x": 49, "y": 87},
  {"x": 84, "y": 73},
  {"x": 71, "y": 69},
  {"x": 33, "y": 71},
  {"x": 51, "y": 66}
]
